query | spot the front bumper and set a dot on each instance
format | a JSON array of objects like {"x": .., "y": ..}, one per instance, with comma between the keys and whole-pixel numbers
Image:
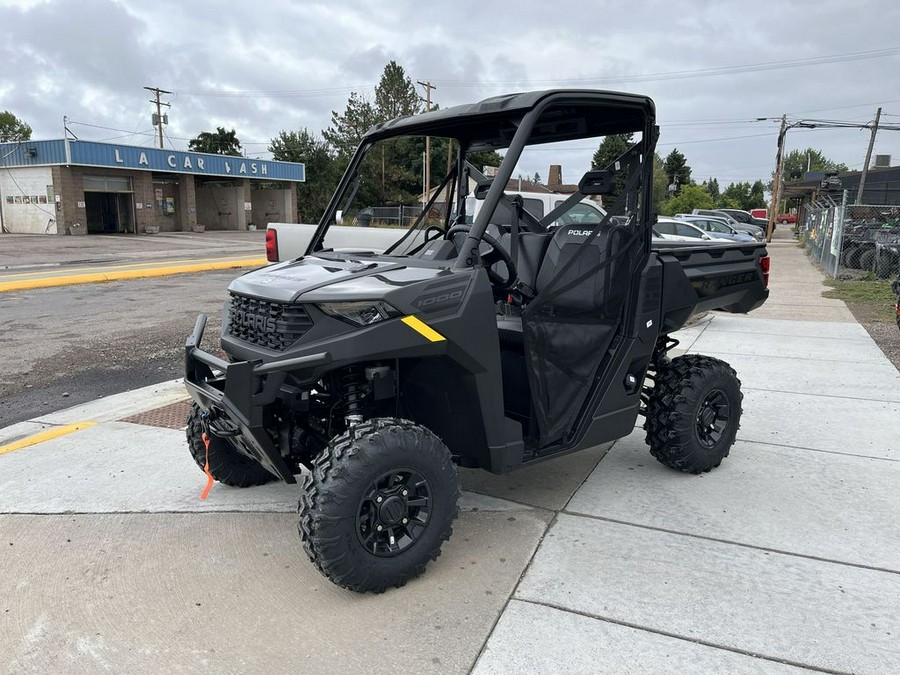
[{"x": 234, "y": 396}]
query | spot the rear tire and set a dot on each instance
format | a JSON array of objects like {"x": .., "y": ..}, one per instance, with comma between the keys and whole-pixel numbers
[
  {"x": 378, "y": 504},
  {"x": 693, "y": 413},
  {"x": 227, "y": 465},
  {"x": 867, "y": 260}
]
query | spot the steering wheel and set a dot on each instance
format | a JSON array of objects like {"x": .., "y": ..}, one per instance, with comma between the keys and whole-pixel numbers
[{"x": 495, "y": 255}]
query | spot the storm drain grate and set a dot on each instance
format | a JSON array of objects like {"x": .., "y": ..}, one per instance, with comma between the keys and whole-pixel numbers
[{"x": 172, "y": 416}]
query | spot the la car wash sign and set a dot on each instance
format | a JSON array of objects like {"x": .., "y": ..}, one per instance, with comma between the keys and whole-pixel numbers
[{"x": 89, "y": 153}]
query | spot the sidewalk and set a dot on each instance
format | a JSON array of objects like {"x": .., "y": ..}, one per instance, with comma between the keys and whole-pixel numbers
[{"x": 784, "y": 559}]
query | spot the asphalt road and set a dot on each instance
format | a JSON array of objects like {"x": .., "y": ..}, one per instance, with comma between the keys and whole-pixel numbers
[{"x": 70, "y": 345}]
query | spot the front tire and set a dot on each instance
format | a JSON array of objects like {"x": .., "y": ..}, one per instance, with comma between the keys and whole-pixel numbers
[
  {"x": 378, "y": 504},
  {"x": 693, "y": 413},
  {"x": 227, "y": 465},
  {"x": 850, "y": 258},
  {"x": 885, "y": 266}
]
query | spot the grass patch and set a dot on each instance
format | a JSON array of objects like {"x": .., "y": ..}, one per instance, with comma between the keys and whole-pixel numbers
[{"x": 873, "y": 292}]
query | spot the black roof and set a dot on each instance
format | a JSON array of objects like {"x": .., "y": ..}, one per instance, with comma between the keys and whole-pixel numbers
[{"x": 491, "y": 123}]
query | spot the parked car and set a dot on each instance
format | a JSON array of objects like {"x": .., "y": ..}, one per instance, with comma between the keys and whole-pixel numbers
[
  {"x": 762, "y": 214},
  {"x": 717, "y": 227},
  {"x": 539, "y": 204},
  {"x": 786, "y": 218},
  {"x": 672, "y": 229},
  {"x": 758, "y": 233},
  {"x": 746, "y": 218}
]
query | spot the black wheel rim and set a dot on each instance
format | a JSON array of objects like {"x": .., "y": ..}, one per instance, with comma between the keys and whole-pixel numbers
[
  {"x": 394, "y": 512},
  {"x": 712, "y": 418}
]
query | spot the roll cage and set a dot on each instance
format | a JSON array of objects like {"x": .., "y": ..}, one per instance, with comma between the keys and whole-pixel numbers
[{"x": 511, "y": 122}]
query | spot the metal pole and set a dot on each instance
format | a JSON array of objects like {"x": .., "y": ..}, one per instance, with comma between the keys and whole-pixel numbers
[
  {"x": 159, "y": 120},
  {"x": 428, "y": 87},
  {"x": 839, "y": 233},
  {"x": 865, "y": 169},
  {"x": 776, "y": 180}
]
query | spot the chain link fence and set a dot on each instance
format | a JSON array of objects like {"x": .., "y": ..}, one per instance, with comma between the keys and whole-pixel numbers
[
  {"x": 394, "y": 216},
  {"x": 853, "y": 241}
]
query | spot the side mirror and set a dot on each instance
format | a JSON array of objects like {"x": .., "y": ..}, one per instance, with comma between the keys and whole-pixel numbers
[
  {"x": 482, "y": 189},
  {"x": 600, "y": 182}
]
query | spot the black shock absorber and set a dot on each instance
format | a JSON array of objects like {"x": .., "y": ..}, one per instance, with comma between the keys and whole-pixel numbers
[
  {"x": 354, "y": 388},
  {"x": 659, "y": 361}
]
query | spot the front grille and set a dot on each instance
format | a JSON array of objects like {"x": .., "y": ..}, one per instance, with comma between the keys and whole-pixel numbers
[{"x": 273, "y": 325}]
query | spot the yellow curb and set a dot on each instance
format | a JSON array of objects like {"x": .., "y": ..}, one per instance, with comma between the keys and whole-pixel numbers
[
  {"x": 46, "y": 435},
  {"x": 121, "y": 275},
  {"x": 145, "y": 264}
]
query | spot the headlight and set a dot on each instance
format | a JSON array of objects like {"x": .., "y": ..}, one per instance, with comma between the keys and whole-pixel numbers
[{"x": 361, "y": 313}]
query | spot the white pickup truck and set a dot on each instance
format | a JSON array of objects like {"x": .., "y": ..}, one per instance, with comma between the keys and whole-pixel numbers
[{"x": 286, "y": 241}]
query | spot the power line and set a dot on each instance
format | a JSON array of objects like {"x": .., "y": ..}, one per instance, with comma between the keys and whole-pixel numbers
[
  {"x": 297, "y": 93},
  {"x": 648, "y": 77},
  {"x": 700, "y": 72}
]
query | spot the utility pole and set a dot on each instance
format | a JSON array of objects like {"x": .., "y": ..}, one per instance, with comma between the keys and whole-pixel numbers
[
  {"x": 777, "y": 179},
  {"x": 865, "y": 169},
  {"x": 428, "y": 87},
  {"x": 159, "y": 117}
]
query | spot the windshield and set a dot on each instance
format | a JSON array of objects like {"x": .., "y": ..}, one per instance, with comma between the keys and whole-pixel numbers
[
  {"x": 402, "y": 185},
  {"x": 404, "y": 193},
  {"x": 716, "y": 226}
]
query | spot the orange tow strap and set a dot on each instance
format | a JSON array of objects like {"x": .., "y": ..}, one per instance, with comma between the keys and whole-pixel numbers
[{"x": 209, "y": 477}]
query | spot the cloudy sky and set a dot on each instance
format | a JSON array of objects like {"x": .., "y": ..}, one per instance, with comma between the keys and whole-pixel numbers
[{"x": 712, "y": 66}]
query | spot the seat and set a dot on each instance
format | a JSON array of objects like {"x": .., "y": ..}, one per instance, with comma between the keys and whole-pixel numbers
[{"x": 588, "y": 295}]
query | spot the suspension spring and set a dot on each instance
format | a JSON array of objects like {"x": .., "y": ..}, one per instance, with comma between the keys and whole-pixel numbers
[{"x": 354, "y": 388}]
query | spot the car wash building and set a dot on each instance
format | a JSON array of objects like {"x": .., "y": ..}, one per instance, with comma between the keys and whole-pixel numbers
[{"x": 84, "y": 187}]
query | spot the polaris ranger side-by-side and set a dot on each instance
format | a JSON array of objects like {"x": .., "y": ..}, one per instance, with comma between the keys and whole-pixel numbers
[{"x": 494, "y": 343}]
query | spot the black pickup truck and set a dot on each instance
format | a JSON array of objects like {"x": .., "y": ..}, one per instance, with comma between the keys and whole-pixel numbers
[{"x": 496, "y": 343}]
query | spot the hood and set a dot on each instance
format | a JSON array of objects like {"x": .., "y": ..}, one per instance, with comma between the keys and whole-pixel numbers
[{"x": 321, "y": 278}]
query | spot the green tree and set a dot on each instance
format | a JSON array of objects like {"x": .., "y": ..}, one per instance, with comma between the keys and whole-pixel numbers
[
  {"x": 218, "y": 142},
  {"x": 348, "y": 127},
  {"x": 691, "y": 197},
  {"x": 795, "y": 163},
  {"x": 757, "y": 195},
  {"x": 743, "y": 195},
  {"x": 395, "y": 95},
  {"x": 12, "y": 128},
  {"x": 611, "y": 148},
  {"x": 321, "y": 170},
  {"x": 712, "y": 187},
  {"x": 677, "y": 170},
  {"x": 660, "y": 184},
  {"x": 536, "y": 179},
  {"x": 483, "y": 158}
]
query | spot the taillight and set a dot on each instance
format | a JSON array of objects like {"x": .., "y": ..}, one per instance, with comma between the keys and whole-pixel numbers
[
  {"x": 271, "y": 245},
  {"x": 764, "y": 264}
]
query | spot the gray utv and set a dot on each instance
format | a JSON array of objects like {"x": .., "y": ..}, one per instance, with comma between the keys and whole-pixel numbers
[{"x": 497, "y": 341}]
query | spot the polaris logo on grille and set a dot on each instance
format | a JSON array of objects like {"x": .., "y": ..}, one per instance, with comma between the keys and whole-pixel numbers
[{"x": 254, "y": 322}]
